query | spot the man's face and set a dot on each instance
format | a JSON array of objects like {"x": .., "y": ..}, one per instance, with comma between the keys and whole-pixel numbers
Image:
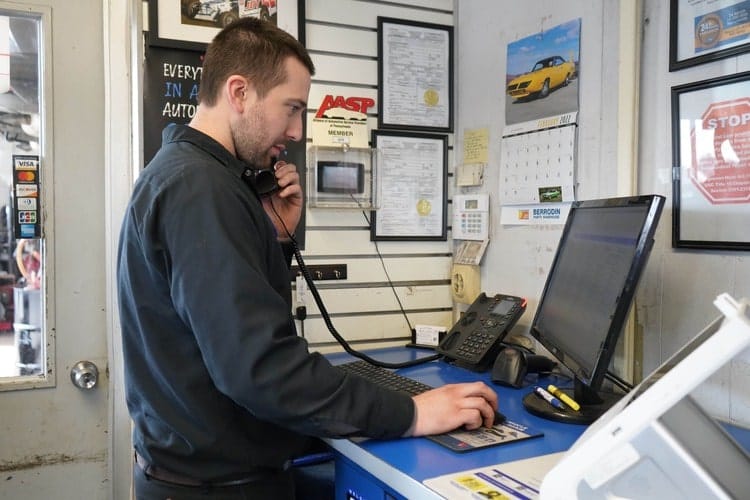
[{"x": 269, "y": 123}]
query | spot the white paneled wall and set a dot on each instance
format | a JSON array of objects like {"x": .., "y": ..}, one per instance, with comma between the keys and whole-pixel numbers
[{"x": 341, "y": 36}]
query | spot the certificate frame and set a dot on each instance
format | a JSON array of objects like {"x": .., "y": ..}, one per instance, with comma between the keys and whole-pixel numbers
[
  {"x": 170, "y": 26},
  {"x": 415, "y": 87},
  {"x": 413, "y": 172},
  {"x": 698, "y": 32},
  {"x": 711, "y": 166}
]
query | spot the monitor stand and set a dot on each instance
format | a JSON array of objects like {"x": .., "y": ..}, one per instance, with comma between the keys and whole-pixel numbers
[{"x": 593, "y": 405}]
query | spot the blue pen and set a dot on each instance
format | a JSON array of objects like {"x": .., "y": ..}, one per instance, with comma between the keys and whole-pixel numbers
[{"x": 544, "y": 394}]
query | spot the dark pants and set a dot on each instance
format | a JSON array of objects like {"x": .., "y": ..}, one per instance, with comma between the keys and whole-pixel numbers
[{"x": 313, "y": 482}]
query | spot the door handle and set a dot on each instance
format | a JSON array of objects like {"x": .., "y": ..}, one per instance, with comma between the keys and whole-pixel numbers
[{"x": 84, "y": 375}]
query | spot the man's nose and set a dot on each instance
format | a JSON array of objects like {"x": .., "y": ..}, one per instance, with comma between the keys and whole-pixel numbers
[{"x": 294, "y": 130}]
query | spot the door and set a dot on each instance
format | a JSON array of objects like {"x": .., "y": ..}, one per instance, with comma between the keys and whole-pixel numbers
[{"x": 58, "y": 440}]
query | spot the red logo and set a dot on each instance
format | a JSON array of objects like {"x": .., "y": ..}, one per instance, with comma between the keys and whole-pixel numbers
[
  {"x": 358, "y": 104},
  {"x": 26, "y": 176},
  {"x": 721, "y": 152}
]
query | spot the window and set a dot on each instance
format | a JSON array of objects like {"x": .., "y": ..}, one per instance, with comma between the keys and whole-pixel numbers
[{"x": 25, "y": 343}]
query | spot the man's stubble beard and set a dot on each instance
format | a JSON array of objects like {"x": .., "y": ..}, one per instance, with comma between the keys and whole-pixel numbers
[{"x": 249, "y": 137}]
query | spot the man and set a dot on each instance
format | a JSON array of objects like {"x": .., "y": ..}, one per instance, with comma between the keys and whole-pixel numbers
[{"x": 221, "y": 390}]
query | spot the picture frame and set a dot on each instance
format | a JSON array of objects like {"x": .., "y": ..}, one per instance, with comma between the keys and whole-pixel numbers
[
  {"x": 413, "y": 172},
  {"x": 703, "y": 31},
  {"x": 176, "y": 24},
  {"x": 711, "y": 163},
  {"x": 415, "y": 75}
]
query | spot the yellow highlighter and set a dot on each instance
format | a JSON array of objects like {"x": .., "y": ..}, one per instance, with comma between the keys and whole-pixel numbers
[{"x": 563, "y": 397}]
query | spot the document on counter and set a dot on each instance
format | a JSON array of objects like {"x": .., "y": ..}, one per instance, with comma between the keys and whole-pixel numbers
[
  {"x": 504, "y": 433},
  {"x": 521, "y": 479}
]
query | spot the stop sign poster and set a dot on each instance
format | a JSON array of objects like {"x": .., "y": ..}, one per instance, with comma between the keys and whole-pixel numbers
[{"x": 712, "y": 151}]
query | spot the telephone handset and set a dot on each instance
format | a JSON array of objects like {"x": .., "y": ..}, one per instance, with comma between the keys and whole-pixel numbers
[
  {"x": 264, "y": 179},
  {"x": 475, "y": 340}
]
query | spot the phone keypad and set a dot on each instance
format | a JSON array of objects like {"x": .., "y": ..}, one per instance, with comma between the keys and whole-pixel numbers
[
  {"x": 476, "y": 344},
  {"x": 471, "y": 222}
]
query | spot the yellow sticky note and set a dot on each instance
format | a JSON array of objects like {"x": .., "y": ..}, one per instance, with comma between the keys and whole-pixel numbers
[{"x": 476, "y": 144}]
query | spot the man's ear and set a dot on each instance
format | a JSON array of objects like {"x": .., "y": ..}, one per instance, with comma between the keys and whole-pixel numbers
[{"x": 239, "y": 92}]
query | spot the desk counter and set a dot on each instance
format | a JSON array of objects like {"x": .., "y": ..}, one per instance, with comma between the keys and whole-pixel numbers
[{"x": 367, "y": 469}]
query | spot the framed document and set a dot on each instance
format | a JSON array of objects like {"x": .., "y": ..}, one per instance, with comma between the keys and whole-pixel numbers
[
  {"x": 193, "y": 24},
  {"x": 415, "y": 75},
  {"x": 413, "y": 170},
  {"x": 706, "y": 30},
  {"x": 711, "y": 173}
]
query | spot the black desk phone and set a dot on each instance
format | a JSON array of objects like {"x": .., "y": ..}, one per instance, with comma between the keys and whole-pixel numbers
[{"x": 475, "y": 340}]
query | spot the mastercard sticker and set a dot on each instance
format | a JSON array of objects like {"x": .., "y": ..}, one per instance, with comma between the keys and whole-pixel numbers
[
  {"x": 26, "y": 172},
  {"x": 26, "y": 176}
]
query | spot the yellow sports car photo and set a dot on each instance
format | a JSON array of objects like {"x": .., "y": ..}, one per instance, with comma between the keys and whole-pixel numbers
[{"x": 546, "y": 74}]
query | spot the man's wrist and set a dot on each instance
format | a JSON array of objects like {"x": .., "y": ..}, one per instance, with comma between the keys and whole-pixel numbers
[{"x": 410, "y": 431}]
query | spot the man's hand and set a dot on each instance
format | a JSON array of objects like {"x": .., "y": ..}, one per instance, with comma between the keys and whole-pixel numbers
[
  {"x": 285, "y": 203},
  {"x": 452, "y": 406}
]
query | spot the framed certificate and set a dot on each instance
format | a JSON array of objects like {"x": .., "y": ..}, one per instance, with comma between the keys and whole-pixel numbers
[
  {"x": 415, "y": 75},
  {"x": 413, "y": 171}
]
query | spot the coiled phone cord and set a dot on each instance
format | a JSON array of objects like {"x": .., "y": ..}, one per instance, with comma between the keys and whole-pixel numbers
[{"x": 327, "y": 318}]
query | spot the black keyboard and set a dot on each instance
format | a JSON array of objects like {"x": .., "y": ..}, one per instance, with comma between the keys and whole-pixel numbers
[{"x": 385, "y": 378}]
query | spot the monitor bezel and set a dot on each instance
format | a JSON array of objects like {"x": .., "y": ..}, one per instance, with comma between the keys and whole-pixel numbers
[{"x": 593, "y": 378}]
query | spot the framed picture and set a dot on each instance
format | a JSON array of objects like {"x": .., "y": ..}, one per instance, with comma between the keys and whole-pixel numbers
[
  {"x": 192, "y": 24},
  {"x": 413, "y": 171},
  {"x": 415, "y": 75},
  {"x": 706, "y": 30},
  {"x": 711, "y": 171}
]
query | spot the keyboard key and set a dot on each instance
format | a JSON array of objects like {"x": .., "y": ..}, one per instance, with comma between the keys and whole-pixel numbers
[{"x": 385, "y": 377}]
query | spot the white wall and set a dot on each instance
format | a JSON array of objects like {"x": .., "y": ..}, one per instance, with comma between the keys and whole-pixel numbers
[
  {"x": 677, "y": 294},
  {"x": 341, "y": 36},
  {"x": 518, "y": 257},
  {"x": 675, "y": 297}
]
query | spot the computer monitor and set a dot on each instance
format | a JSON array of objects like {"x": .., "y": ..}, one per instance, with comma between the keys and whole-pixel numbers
[{"x": 589, "y": 290}]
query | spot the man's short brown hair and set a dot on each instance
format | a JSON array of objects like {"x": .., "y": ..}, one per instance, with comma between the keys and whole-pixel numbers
[{"x": 251, "y": 48}]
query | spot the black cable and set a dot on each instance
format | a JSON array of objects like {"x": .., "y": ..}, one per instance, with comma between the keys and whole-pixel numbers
[
  {"x": 327, "y": 318},
  {"x": 301, "y": 314},
  {"x": 517, "y": 346},
  {"x": 388, "y": 277},
  {"x": 619, "y": 382}
]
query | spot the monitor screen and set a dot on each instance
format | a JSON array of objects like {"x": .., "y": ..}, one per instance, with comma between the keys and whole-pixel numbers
[
  {"x": 590, "y": 287},
  {"x": 341, "y": 177}
]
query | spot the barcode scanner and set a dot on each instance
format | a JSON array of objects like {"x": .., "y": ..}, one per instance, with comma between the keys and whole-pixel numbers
[{"x": 512, "y": 365}]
